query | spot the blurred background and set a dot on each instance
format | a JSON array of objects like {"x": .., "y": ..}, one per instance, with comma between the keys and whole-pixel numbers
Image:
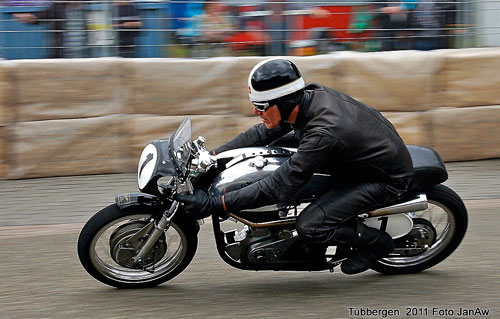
[
  {"x": 34, "y": 29},
  {"x": 84, "y": 85}
]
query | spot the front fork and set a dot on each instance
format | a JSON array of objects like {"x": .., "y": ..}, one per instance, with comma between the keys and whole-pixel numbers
[{"x": 162, "y": 225}]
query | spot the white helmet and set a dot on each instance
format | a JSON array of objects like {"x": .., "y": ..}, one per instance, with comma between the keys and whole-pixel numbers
[{"x": 272, "y": 79}]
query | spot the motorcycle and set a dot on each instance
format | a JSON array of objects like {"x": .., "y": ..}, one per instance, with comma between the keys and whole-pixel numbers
[{"x": 146, "y": 238}]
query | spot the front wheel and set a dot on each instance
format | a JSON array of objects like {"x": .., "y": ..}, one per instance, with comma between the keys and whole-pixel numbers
[
  {"x": 110, "y": 239},
  {"x": 443, "y": 225}
]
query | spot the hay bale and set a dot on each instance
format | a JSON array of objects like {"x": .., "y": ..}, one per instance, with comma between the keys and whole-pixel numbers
[
  {"x": 6, "y": 92},
  {"x": 65, "y": 89},
  {"x": 179, "y": 86},
  {"x": 393, "y": 81},
  {"x": 3, "y": 152},
  {"x": 412, "y": 127},
  {"x": 68, "y": 147},
  {"x": 463, "y": 134},
  {"x": 144, "y": 128},
  {"x": 470, "y": 77}
]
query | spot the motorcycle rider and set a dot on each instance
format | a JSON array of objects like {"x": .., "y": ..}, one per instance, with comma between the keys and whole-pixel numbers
[{"x": 336, "y": 135}]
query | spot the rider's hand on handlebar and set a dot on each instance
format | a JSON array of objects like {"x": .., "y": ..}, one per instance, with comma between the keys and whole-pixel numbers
[{"x": 200, "y": 205}]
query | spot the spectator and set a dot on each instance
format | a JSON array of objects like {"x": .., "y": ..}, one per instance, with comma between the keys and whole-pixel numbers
[
  {"x": 215, "y": 22},
  {"x": 19, "y": 3},
  {"x": 251, "y": 35},
  {"x": 279, "y": 23},
  {"x": 69, "y": 22},
  {"x": 189, "y": 27},
  {"x": 215, "y": 27},
  {"x": 126, "y": 21},
  {"x": 430, "y": 20},
  {"x": 394, "y": 20},
  {"x": 191, "y": 20}
]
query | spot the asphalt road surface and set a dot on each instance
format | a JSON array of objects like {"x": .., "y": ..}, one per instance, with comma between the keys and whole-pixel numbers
[{"x": 41, "y": 277}]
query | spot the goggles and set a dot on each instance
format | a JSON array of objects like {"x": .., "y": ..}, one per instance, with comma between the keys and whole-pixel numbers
[{"x": 261, "y": 106}]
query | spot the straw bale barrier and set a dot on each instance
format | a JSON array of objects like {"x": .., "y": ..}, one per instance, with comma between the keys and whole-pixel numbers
[{"x": 94, "y": 116}]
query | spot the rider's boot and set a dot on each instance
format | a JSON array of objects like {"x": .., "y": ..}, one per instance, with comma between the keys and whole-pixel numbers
[{"x": 371, "y": 244}]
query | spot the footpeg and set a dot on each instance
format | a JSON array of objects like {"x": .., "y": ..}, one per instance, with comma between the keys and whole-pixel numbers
[{"x": 334, "y": 263}]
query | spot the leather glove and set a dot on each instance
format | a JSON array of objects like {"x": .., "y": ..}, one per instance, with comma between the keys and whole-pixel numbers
[{"x": 199, "y": 205}]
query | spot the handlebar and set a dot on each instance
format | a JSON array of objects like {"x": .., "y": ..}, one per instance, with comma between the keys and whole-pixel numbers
[
  {"x": 200, "y": 161},
  {"x": 203, "y": 159}
]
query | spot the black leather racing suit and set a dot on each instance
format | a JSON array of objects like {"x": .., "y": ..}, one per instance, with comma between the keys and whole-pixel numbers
[{"x": 340, "y": 136}]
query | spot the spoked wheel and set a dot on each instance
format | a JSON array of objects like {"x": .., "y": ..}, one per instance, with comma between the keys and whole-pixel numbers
[
  {"x": 109, "y": 242},
  {"x": 436, "y": 233}
]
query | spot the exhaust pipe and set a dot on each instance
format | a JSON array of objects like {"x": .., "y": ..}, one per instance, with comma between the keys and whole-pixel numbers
[{"x": 414, "y": 205}]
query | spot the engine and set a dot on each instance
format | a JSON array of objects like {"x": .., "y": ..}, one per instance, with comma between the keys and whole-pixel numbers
[
  {"x": 270, "y": 246},
  {"x": 271, "y": 237}
]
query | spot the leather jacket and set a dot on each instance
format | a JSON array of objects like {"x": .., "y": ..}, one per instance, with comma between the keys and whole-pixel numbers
[{"x": 337, "y": 135}]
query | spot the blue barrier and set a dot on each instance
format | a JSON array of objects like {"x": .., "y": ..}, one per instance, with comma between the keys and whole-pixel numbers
[
  {"x": 153, "y": 37},
  {"x": 28, "y": 41},
  {"x": 21, "y": 40}
]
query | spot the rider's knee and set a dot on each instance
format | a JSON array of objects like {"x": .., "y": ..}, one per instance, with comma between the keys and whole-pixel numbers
[{"x": 309, "y": 223}]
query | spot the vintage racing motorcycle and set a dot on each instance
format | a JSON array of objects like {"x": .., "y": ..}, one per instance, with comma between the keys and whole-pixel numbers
[{"x": 146, "y": 238}]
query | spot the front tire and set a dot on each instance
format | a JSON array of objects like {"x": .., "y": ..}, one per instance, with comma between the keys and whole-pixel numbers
[
  {"x": 448, "y": 215},
  {"x": 179, "y": 242}
]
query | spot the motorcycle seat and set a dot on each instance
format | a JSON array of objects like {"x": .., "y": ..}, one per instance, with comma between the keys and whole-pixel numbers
[{"x": 428, "y": 168}]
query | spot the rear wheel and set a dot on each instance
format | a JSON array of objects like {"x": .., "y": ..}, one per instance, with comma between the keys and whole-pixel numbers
[
  {"x": 438, "y": 231},
  {"x": 110, "y": 239}
]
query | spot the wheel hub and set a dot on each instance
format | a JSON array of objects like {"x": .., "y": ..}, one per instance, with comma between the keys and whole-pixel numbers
[
  {"x": 423, "y": 235},
  {"x": 418, "y": 240},
  {"x": 123, "y": 247}
]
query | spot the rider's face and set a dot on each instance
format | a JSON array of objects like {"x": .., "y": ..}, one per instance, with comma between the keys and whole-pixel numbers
[{"x": 271, "y": 117}]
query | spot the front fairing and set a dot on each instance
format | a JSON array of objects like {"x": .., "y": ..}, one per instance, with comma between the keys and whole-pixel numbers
[
  {"x": 164, "y": 158},
  {"x": 155, "y": 162}
]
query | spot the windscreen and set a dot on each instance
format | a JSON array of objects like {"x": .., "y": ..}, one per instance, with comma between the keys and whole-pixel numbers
[{"x": 179, "y": 152}]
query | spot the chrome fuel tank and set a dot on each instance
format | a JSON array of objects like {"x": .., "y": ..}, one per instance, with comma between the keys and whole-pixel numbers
[
  {"x": 248, "y": 165},
  {"x": 244, "y": 173}
]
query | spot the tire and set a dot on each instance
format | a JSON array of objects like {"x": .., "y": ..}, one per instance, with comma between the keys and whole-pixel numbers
[
  {"x": 101, "y": 230},
  {"x": 449, "y": 234}
]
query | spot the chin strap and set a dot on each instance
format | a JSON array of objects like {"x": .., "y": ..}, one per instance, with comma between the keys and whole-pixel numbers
[{"x": 288, "y": 103}]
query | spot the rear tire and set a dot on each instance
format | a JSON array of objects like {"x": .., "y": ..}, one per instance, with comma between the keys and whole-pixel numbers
[
  {"x": 451, "y": 230},
  {"x": 95, "y": 257}
]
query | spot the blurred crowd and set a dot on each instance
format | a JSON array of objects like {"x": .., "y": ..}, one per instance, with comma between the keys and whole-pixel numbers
[{"x": 208, "y": 28}]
